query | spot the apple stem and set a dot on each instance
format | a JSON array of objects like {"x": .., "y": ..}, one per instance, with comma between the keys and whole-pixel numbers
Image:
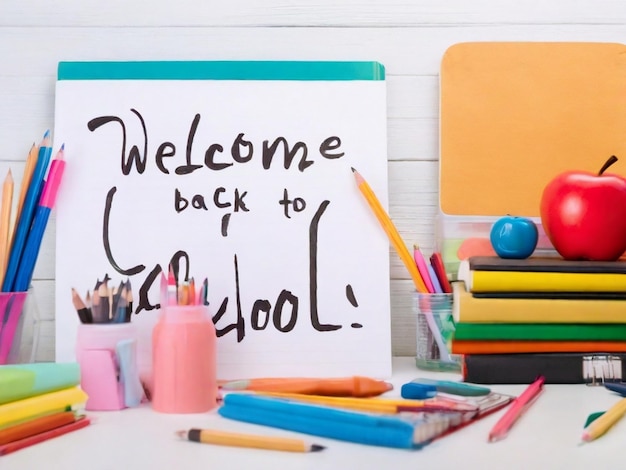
[{"x": 612, "y": 159}]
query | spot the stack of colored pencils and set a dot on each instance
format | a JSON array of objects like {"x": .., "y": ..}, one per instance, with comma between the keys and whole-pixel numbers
[
  {"x": 175, "y": 291},
  {"x": 39, "y": 402},
  {"x": 19, "y": 245},
  {"x": 105, "y": 304},
  {"x": 22, "y": 230}
]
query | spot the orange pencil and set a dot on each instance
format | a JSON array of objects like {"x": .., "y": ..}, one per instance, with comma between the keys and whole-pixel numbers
[
  {"x": 341, "y": 387},
  {"x": 27, "y": 176},
  {"x": 36, "y": 426},
  {"x": 392, "y": 232},
  {"x": 5, "y": 222}
]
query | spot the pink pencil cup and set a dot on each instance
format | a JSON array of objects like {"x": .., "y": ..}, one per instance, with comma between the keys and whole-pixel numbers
[
  {"x": 99, "y": 369},
  {"x": 184, "y": 360}
]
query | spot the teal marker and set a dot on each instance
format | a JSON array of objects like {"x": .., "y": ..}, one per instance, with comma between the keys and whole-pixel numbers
[{"x": 455, "y": 388}]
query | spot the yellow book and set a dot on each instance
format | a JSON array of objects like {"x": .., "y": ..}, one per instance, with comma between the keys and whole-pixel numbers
[
  {"x": 469, "y": 309},
  {"x": 40, "y": 405},
  {"x": 539, "y": 281}
]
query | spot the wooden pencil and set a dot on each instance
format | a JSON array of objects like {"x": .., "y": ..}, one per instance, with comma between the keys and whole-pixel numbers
[
  {"x": 391, "y": 230},
  {"x": 129, "y": 301},
  {"x": 5, "y": 223},
  {"x": 27, "y": 176},
  {"x": 224, "y": 438},
  {"x": 84, "y": 314},
  {"x": 96, "y": 308}
]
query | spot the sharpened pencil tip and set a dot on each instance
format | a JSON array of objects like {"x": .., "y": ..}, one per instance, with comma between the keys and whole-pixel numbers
[
  {"x": 317, "y": 447},
  {"x": 353, "y": 170},
  {"x": 236, "y": 385},
  {"x": 46, "y": 134},
  {"x": 63, "y": 146}
]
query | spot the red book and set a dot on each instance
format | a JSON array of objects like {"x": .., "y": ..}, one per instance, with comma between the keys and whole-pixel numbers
[{"x": 44, "y": 436}]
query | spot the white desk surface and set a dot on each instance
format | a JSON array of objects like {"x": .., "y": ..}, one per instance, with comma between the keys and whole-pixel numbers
[{"x": 546, "y": 437}]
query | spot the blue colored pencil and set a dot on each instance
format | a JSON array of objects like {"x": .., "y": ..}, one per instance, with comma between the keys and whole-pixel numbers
[
  {"x": 40, "y": 221},
  {"x": 28, "y": 212}
]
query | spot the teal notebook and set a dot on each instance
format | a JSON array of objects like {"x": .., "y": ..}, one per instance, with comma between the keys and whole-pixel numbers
[{"x": 21, "y": 381}]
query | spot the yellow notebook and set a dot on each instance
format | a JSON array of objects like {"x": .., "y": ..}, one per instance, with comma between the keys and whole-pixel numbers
[
  {"x": 535, "y": 281},
  {"x": 469, "y": 309},
  {"x": 40, "y": 405}
]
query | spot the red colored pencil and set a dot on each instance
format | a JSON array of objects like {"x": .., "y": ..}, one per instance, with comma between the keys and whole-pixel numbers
[
  {"x": 437, "y": 263},
  {"x": 44, "y": 436}
]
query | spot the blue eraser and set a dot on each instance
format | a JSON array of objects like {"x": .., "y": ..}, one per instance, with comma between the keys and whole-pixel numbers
[
  {"x": 126, "y": 353},
  {"x": 415, "y": 391}
]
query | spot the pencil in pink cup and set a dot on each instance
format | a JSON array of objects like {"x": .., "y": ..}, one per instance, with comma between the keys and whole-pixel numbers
[{"x": 184, "y": 360}]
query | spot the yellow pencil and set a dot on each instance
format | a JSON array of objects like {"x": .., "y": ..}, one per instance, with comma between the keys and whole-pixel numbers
[
  {"x": 224, "y": 438},
  {"x": 392, "y": 232},
  {"x": 372, "y": 405},
  {"x": 5, "y": 222},
  {"x": 601, "y": 425}
]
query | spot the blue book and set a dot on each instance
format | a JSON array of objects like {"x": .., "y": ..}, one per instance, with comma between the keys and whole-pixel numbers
[{"x": 323, "y": 421}]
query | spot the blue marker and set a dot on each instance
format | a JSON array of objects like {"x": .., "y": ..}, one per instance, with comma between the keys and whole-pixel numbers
[
  {"x": 617, "y": 387},
  {"x": 415, "y": 391}
]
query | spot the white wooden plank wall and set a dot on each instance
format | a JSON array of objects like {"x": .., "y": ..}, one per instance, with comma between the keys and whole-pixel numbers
[{"x": 408, "y": 37}]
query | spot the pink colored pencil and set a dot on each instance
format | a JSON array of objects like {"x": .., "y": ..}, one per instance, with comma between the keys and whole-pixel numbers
[{"x": 422, "y": 267}]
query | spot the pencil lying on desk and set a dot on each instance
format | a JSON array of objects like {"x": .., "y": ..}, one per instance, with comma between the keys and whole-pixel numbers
[
  {"x": 348, "y": 386},
  {"x": 223, "y": 438},
  {"x": 601, "y": 425},
  {"x": 519, "y": 406},
  {"x": 391, "y": 230},
  {"x": 375, "y": 405}
]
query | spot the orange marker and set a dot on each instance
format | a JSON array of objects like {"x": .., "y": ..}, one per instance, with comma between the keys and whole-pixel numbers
[{"x": 341, "y": 387}]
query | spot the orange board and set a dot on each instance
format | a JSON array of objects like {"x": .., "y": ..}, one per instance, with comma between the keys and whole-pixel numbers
[{"x": 514, "y": 115}]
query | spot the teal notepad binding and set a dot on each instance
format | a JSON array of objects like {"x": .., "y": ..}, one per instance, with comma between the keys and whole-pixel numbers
[
  {"x": 222, "y": 70},
  {"x": 321, "y": 421}
]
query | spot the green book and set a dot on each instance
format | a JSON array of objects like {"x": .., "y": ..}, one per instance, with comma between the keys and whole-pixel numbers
[
  {"x": 19, "y": 381},
  {"x": 541, "y": 331}
]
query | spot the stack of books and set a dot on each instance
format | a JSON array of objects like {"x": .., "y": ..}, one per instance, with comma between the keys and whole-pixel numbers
[
  {"x": 517, "y": 319},
  {"x": 38, "y": 402}
]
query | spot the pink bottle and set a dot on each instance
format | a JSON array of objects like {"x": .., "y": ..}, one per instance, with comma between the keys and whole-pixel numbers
[{"x": 184, "y": 360}]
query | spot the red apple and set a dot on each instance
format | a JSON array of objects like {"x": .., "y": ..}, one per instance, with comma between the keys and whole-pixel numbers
[{"x": 584, "y": 214}]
